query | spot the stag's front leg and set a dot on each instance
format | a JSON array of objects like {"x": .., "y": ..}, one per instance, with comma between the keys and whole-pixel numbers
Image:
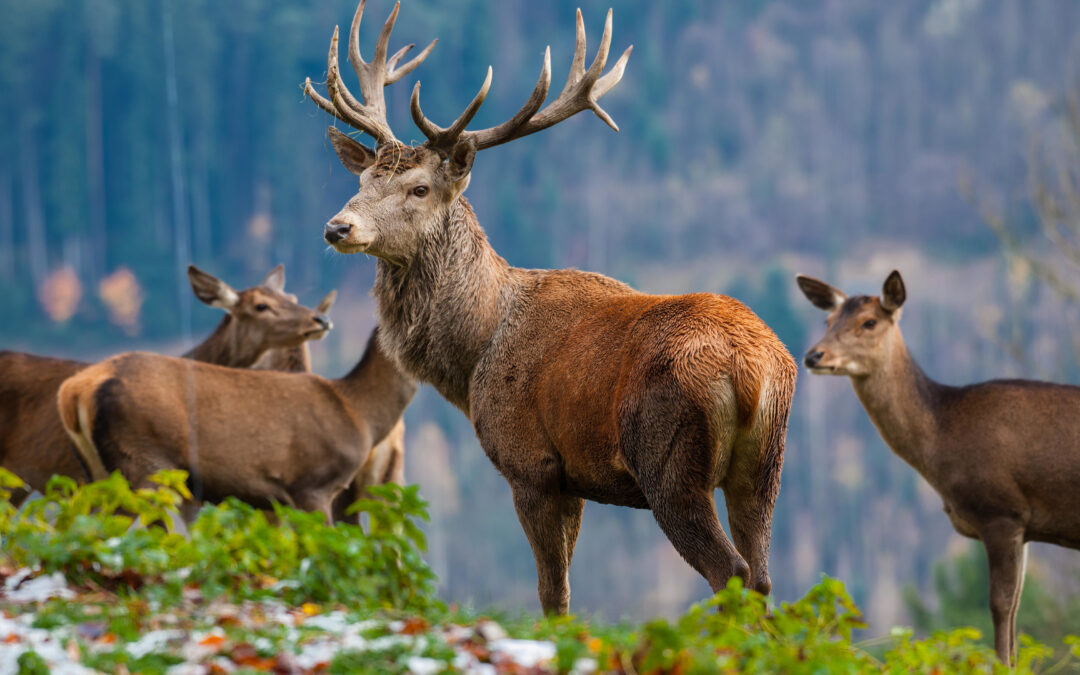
[
  {"x": 1004, "y": 544},
  {"x": 551, "y": 522}
]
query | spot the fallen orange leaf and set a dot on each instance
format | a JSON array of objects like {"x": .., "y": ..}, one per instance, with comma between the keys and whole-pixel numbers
[
  {"x": 12, "y": 637},
  {"x": 212, "y": 641}
]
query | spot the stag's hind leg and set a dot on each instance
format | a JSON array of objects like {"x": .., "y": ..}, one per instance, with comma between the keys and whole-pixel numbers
[{"x": 669, "y": 449}]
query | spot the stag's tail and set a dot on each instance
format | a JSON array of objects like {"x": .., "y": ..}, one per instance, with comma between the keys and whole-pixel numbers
[
  {"x": 75, "y": 399},
  {"x": 773, "y": 413}
]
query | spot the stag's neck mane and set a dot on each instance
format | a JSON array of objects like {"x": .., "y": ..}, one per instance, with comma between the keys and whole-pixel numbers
[
  {"x": 223, "y": 348},
  {"x": 904, "y": 404},
  {"x": 440, "y": 309}
]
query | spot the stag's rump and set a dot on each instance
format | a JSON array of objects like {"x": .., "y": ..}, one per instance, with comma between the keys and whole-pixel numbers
[{"x": 595, "y": 371}]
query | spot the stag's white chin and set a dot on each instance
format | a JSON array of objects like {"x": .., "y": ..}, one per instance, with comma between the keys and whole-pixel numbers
[{"x": 349, "y": 247}]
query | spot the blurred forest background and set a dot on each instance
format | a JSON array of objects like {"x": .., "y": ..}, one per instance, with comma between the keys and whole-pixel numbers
[{"x": 840, "y": 138}]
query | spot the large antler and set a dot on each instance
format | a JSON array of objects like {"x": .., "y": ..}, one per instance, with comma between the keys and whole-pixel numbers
[
  {"x": 582, "y": 90},
  {"x": 369, "y": 116}
]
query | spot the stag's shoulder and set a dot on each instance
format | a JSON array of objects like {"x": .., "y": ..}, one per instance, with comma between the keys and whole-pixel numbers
[{"x": 577, "y": 283}]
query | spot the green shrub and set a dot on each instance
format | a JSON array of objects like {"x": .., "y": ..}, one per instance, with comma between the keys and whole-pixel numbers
[{"x": 107, "y": 534}]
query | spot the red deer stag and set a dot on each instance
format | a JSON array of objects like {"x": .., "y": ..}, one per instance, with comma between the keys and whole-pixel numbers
[
  {"x": 1003, "y": 455},
  {"x": 258, "y": 321},
  {"x": 578, "y": 386},
  {"x": 258, "y": 435}
]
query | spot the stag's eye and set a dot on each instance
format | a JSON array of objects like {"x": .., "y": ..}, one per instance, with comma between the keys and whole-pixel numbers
[
  {"x": 869, "y": 323},
  {"x": 262, "y": 307},
  {"x": 420, "y": 190}
]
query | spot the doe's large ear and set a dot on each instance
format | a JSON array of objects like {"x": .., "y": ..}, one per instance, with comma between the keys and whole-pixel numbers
[
  {"x": 211, "y": 290},
  {"x": 327, "y": 302},
  {"x": 821, "y": 294},
  {"x": 355, "y": 156},
  {"x": 275, "y": 280},
  {"x": 459, "y": 164},
  {"x": 893, "y": 292}
]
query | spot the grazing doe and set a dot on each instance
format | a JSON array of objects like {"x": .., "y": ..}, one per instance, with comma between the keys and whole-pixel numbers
[
  {"x": 258, "y": 321},
  {"x": 257, "y": 435},
  {"x": 1003, "y": 455},
  {"x": 578, "y": 386}
]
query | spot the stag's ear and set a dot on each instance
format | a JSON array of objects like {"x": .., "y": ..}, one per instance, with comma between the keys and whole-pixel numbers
[
  {"x": 327, "y": 302},
  {"x": 275, "y": 280},
  {"x": 355, "y": 156},
  {"x": 459, "y": 165},
  {"x": 821, "y": 294},
  {"x": 211, "y": 290},
  {"x": 893, "y": 292}
]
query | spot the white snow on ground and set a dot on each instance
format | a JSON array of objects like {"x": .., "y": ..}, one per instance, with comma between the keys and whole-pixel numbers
[{"x": 333, "y": 632}]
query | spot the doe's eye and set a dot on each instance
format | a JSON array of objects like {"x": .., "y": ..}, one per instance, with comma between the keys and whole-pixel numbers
[
  {"x": 262, "y": 307},
  {"x": 420, "y": 190},
  {"x": 869, "y": 323}
]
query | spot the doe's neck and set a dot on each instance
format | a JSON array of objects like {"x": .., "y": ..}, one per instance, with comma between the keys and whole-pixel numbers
[
  {"x": 377, "y": 389},
  {"x": 903, "y": 403},
  {"x": 224, "y": 348}
]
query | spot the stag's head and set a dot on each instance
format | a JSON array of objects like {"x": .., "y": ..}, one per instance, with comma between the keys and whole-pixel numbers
[
  {"x": 407, "y": 191},
  {"x": 265, "y": 316},
  {"x": 860, "y": 331}
]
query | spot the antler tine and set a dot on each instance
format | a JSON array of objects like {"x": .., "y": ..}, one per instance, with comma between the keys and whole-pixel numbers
[
  {"x": 394, "y": 74},
  {"x": 582, "y": 90},
  {"x": 444, "y": 138},
  {"x": 368, "y": 115}
]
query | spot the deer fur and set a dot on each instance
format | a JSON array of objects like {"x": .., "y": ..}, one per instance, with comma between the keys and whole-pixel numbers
[
  {"x": 295, "y": 438},
  {"x": 385, "y": 464},
  {"x": 1002, "y": 454},
  {"x": 578, "y": 386},
  {"x": 33, "y": 444}
]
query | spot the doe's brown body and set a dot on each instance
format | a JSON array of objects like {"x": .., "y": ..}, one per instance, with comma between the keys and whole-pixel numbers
[{"x": 1004, "y": 455}]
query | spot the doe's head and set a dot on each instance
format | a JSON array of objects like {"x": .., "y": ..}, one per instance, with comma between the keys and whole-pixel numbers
[
  {"x": 859, "y": 330},
  {"x": 265, "y": 316},
  {"x": 405, "y": 192}
]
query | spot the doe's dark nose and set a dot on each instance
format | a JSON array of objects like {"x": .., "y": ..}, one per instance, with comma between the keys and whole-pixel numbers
[
  {"x": 323, "y": 321},
  {"x": 335, "y": 232},
  {"x": 813, "y": 358}
]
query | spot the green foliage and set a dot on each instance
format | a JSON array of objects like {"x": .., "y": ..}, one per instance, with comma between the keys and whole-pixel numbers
[
  {"x": 962, "y": 589},
  {"x": 110, "y": 535},
  {"x": 107, "y": 536}
]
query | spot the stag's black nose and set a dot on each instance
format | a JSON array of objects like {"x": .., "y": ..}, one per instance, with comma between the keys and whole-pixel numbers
[
  {"x": 335, "y": 232},
  {"x": 323, "y": 321},
  {"x": 813, "y": 358}
]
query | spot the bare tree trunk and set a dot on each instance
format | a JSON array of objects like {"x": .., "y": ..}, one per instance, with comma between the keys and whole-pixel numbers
[
  {"x": 95, "y": 166},
  {"x": 7, "y": 228},
  {"x": 33, "y": 214},
  {"x": 181, "y": 235}
]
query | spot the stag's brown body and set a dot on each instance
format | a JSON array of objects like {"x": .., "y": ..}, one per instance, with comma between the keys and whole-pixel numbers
[
  {"x": 33, "y": 444},
  {"x": 296, "y": 438},
  {"x": 1004, "y": 455},
  {"x": 578, "y": 386}
]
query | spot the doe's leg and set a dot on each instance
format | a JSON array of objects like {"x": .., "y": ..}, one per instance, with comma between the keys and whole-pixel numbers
[{"x": 1004, "y": 542}]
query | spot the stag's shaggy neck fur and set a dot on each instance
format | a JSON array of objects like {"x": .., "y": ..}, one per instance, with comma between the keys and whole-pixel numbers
[
  {"x": 903, "y": 403},
  {"x": 440, "y": 309}
]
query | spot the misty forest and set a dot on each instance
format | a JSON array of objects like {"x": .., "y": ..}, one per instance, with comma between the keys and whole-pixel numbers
[{"x": 757, "y": 141}]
